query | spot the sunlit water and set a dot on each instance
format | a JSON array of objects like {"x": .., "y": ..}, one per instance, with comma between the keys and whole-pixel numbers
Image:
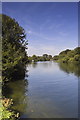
[{"x": 49, "y": 91}]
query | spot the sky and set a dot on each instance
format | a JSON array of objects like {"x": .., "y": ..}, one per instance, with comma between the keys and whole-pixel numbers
[{"x": 50, "y": 27}]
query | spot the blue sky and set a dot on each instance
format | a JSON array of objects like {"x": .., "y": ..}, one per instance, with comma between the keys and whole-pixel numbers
[{"x": 50, "y": 27}]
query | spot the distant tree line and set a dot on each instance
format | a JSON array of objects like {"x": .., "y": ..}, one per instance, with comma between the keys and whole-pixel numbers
[
  {"x": 68, "y": 56},
  {"x": 44, "y": 57}
]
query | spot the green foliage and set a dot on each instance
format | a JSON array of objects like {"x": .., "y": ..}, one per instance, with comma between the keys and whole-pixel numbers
[
  {"x": 71, "y": 53},
  {"x": 69, "y": 56},
  {"x": 45, "y": 55},
  {"x": 77, "y": 50},
  {"x": 65, "y": 59},
  {"x": 35, "y": 58},
  {"x": 77, "y": 58},
  {"x": 6, "y": 114},
  {"x": 14, "y": 55},
  {"x": 50, "y": 56},
  {"x": 64, "y": 52},
  {"x": 56, "y": 57},
  {"x": 71, "y": 60},
  {"x": 29, "y": 59}
]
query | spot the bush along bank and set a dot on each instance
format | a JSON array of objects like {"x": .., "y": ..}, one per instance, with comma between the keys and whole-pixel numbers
[
  {"x": 68, "y": 56},
  {"x": 5, "y": 110}
]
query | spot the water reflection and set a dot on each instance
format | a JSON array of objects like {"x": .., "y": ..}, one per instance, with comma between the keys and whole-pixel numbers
[
  {"x": 34, "y": 64},
  {"x": 44, "y": 64},
  {"x": 70, "y": 68},
  {"x": 48, "y": 90},
  {"x": 18, "y": 92}
]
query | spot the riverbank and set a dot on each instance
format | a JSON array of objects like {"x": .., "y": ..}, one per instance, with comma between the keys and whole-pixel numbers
[{"x": 68, "y": 56}]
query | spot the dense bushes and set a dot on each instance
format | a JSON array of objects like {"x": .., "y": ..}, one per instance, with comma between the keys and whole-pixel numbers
[
  {"x": 14, "y": 55},
  {"x": 69, "y": 56}
]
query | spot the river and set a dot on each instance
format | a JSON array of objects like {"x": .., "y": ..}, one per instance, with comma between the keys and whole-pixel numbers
[{"x": 49, "y": 90}]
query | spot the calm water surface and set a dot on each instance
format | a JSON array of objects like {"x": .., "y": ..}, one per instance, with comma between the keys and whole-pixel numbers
[{"x": 49, "y": 91}]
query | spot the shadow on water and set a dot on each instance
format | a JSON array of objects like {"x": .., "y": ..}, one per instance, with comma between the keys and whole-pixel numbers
[
  {"x": 70, "y": 68},
  {"x": 18, "y": 92}
]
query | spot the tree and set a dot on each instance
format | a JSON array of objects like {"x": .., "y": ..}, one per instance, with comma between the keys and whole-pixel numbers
[
  {"x": 64, "y": 52},
  {"x": 77, "y": 50},
  {"x": 34, "y": 57},
  {"x": 50, "y": 56},
  {"x": 14, "y": 45},
  {"x": 45, "y": 55}
]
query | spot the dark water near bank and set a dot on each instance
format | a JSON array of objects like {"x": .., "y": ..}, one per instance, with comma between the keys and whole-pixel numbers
[{"x": 50, "y": 91}]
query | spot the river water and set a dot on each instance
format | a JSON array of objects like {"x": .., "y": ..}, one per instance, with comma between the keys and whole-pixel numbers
[{"x": 49, "y": 90}]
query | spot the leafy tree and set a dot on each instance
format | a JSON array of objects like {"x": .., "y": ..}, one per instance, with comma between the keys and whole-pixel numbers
[
  {"x": 64, "y": 52},
  {"x": 34, "y": 57},
  {"x": 45, "y": 55},
  {"x": 14, "y": 45},
  {"x": 50, "y": 56}
]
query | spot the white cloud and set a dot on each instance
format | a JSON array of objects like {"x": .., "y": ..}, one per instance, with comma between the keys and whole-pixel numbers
[{"x": 42, "y": 49}]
